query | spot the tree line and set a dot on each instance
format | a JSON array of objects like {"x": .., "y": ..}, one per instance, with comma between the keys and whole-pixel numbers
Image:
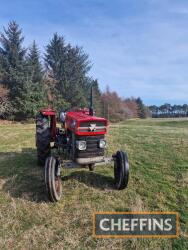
[
  {"x": 167, "y": 110},
  {"x": 59, "y": 78},
  {"x": 118, "y": 109}
]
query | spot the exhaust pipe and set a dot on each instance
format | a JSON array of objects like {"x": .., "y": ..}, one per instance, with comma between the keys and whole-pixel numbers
[{"x": 91, "y": 111}]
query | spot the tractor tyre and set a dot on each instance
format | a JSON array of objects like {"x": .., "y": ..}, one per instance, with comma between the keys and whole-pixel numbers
[
  {"x": 52, "y": 179},
  {"x": 121, "y": 170},
  {"x": 42, "y": 139}
]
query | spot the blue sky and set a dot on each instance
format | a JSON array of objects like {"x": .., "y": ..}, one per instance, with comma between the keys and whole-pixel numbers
[{"x": 137, "y": 47}]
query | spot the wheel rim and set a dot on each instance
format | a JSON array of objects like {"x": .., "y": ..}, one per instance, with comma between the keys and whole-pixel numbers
[
  {"x": 58, "y": 184},
  {"x": 52, "y": 180}
]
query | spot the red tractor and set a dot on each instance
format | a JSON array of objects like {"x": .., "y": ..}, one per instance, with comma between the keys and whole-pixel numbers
[{"x": 79, "y": 142}]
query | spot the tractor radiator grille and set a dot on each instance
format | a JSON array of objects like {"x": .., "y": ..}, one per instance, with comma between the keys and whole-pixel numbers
[
  {"x": 97, "y": 126},
  {"x": 92, "y": 149}
]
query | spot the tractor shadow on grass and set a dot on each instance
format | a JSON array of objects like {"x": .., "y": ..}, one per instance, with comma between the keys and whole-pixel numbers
[
  {"x": 91, "y": 179},
  {"x": 21, "y": 177}
]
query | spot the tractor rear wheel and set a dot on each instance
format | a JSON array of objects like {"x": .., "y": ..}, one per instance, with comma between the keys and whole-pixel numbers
[
  {"x": 121, "y": 170},
  {"x": 42, "y": 138},
  {"x": 52, "y": 179}
]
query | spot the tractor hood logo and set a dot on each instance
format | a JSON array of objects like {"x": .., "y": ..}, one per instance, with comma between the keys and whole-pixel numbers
[{"x": 92, "y": 127}]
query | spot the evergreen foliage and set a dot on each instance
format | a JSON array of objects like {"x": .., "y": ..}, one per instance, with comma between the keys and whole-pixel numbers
[
  {"x": 62, "y": 82},
  {"x": 34, "y": 65},
  {"x": 34, "y": 87},
  {"x": 68, "y": 67},
  {"x": 13, "y": 65},
  {"x": 141, "y": 108},
  {"x": 167, "y": 111}
]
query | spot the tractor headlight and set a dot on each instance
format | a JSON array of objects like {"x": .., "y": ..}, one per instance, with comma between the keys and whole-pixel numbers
[
  {"x": 102, "y": 143},
  {"x": 81, "y": 145}
]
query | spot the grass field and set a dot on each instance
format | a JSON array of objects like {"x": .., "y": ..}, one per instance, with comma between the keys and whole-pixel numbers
[{"x": 158, "y": 153}]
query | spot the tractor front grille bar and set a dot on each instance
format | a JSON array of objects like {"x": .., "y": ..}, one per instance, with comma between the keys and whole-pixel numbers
[{"x": 92, "y": 147}]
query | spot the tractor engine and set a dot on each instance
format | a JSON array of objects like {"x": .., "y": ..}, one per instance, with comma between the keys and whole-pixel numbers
[
  {"x": 81, "y": 137},
  {"x": 86, "y": 135}
]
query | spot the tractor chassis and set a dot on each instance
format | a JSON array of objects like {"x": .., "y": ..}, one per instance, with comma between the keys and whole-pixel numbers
[
  {"x": 55, "y": 164},
  {"x": 72, "y": 164}
]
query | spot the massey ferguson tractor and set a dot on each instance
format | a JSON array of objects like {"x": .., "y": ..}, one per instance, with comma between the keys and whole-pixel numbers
[{"x": 78, "y": 142}]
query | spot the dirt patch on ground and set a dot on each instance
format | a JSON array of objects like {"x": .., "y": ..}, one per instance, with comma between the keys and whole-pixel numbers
[
  {"x": 6, "y": 122},
  {"x": 2, "y": 182},
  {"x": 138, "y": 205}
]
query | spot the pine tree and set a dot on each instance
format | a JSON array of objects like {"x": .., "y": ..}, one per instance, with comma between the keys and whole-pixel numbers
[
  {"x": 1, "y": 67},
  {"x": 68, "y": 66},
  {"x": 34, "y": 64},
  {"x": 12, "y": 56},
  {"x": 141, "y": 108},
  {"x": 55, "y": 57},
  {"x": 78, "y": 65},
  {"x": 34, "y": 91},
  {"x": 12, "y": 52}
]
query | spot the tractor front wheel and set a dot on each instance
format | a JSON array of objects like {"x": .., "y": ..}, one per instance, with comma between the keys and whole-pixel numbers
[
  {"x": 52, "y": 179},
  {"x": 121, "y": 170}
]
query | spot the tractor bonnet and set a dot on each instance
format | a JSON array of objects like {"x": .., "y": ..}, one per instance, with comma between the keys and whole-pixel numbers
[{"x": 81, "y": 123}]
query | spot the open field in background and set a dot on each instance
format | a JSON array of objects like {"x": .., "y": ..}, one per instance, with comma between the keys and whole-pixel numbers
[{"x": 158, "y": 153}]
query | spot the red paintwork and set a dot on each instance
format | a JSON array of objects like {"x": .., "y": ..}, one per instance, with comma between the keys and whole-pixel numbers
[
  {"x": 48, "y": 111},
  {"x": 78, "y": 116},
  {"x": 83, "y": 116}
]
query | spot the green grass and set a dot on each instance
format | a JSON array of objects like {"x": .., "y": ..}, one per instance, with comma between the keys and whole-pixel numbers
[{"x": 158, "y": 153}]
